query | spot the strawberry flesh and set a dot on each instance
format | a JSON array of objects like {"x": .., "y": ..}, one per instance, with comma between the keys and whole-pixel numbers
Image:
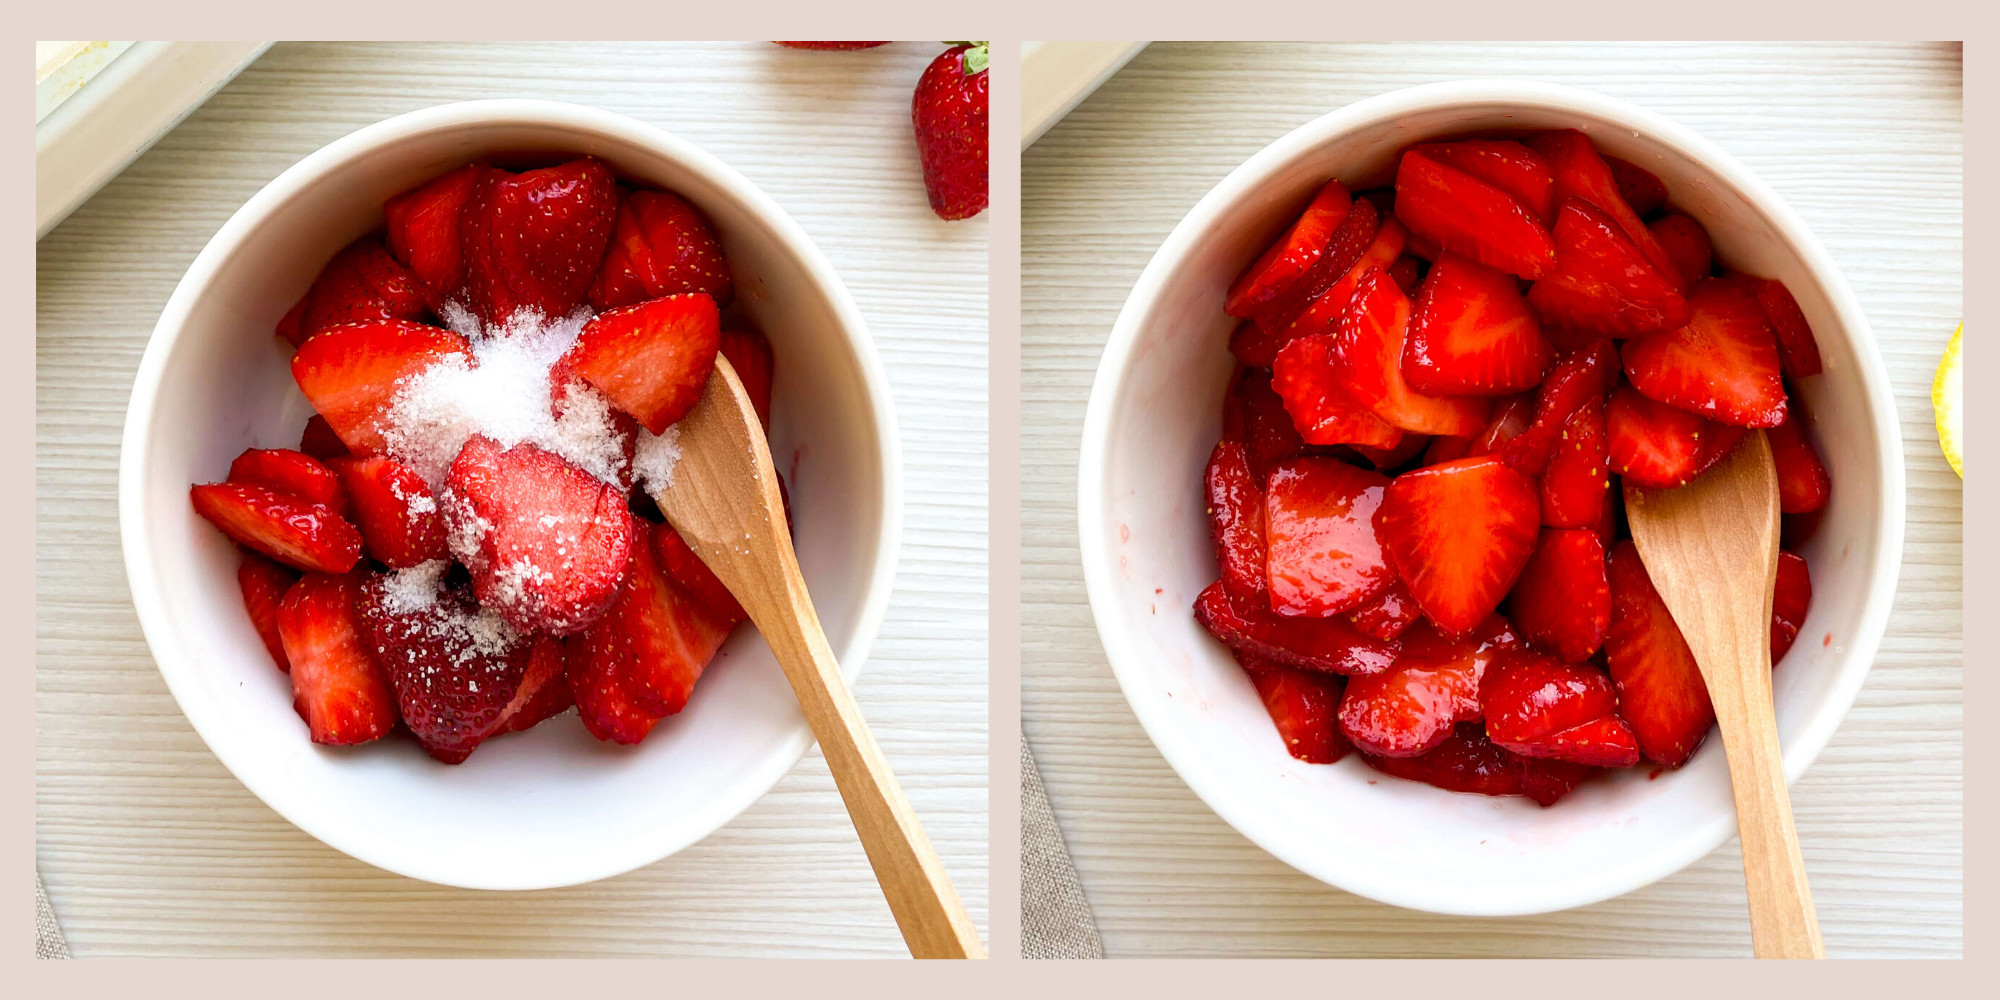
[
  {"x": 660, "y": 245},
  {"x": 1323, "y": 556},
  {"x": 1652, "y": 444},
  {"x": 544, "y": 692},
  {"x": 1467, "y": 216},
  {"x": 1582, "y": 174},
  {"x": 534, "y": 240},
  {"x": 336, "y": 685},
  {"x": 362, "y": 282},
  {"x": 1412, "y": 708},
  {"x": 319, "y": 440},
  {"x": 1538, "y": 706},
  {"x": 1262, "y": 423},
  {"x": 1796, "y": 346},
  {"x": 1686, "y": 244},
  {"x": 1460, "y": 533},
  {"x": 425, "y": 232},
  {"x": 1562, "y": 604},
  {"x": 656, "y": 637},
  {"x": 1350, "y": 242},
  {"x": 546, "y": 543},
  {"x": 1467, "y": 761},
  {"x": 1369, "y": 353},
  {"x": 1641, "y": 190},
  {"x": 1576, "y": 485},
  {"x": 750, "y": 355},
  {"x": 1236, "y": 524},
  {"x": 264, "y": 584},
  {"x": 1602, "y": 283},
  {"x": 352, "y": 373},
  {"x": 686, "y": 570},
  {"x": 1723, "y": 364},
  {"x": 1302, "y": 704},
  {"x": 1661, "y": 695},
  {"x": 1294, "y": 255},
  {"x": 1326, "y": 644},
  {"x": 1312, "y": 381},
  {"x": 1803, "y": 486},
  {"x": 1323, "y": 314},
  {"x": 1389, "y": 614},
  {"x": 455, "y": 667},
  {"x": 395, "y": 510},
  {"x": 1472, "y": 334},
  {"x": 1505, "y": 164},
  {"x": 293, "y": 472},
  {"x": 652, "y": 359},
  {"x": 1791, "y": 597},
  {"x": 299, "y": 533}
]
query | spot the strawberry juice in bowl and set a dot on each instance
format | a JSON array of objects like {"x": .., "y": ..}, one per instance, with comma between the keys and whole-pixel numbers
[
  {"x": 554, "y": 805},
  {"x": 1151, "y": 436}
]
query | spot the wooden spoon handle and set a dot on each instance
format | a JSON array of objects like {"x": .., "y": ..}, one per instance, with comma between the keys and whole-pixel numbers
[
  {"x": 926, "y": 906},
  {"x": 1782, "y": 921}
]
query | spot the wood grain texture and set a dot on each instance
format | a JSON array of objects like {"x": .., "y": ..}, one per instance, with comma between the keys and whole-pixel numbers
[
  {"x": 1863, "y": 139},
  {"x": 150, "y": 847},
  {"x": 724, "y": 500}
]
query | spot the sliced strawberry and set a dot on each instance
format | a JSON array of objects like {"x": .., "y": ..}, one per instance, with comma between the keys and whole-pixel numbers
[
  {"x": 455, "y": 667},
  {"x": 1602, "y": 283},
  {"x": 1562, "y": 603},
  {"x": 1581, "y": 173},
  {"x": 424, "y": 231},
  {"x": 1302, "y": 704},
  {"x": 544, "y": 692},
  {"x": 288, "y": 324},
  {"x": 1313, "y": 383},
  {"x": 1460, "y": 533},
  {"x": 293, "y": 472},
  {"x": 264, "y": 584},
  {"x": 362, "y": 282},
  {"x": 1576, "y": 485},
  {"x": 1387, "y": 459},
  {"x": 1319, "y": 527},
  {"x": 1507, "y": 165},
  {"x": 1236, "y": 523},
  {"x": 1369, "y": 353},
  {"x": 1791, "y": 597},
  {"x": 1257, "y": 416},
  {"x": 656, "y": 636},
  {"x": 1349, "y": 242},
  {"x": 1652, "y": 444},
  {"x": 1389, "y": 614},
  {"x": 336, "y": 686},
  {"x": 1610, "y": 526},
  {"x": 1254, "y": 346},
  {"x": 1444, "y": 449},
  {"x": 1582, "y": 375},
  {"x": 1328, "y": 644},
  {"x": 608, "y": 710},
  {"x": 660, "y": 245},
  {"x": 693, "y": 576},
  {"x": 1413, "y": 706},
  {"x": 1472, "y": 334},
  {"x": 583, "y": 414},
  {"x": 1287, "y": 261},
  {"x": 547, "y": 544},
  {"x": 1643, "y": 192},
  {"x": 1471, "y": 218},
  {"x": 1796, "y": 346},
  {"x": 352, "y": 373},
  {"x": 1717, "y": 441},
  {"x": 1803, "y": 486},
  {"x": 1538, "y": 706},
  {"x": 536, "y": 239},
  {"x": 1795, "y": 530},
  {"x": 395, "y": 510},
  {"x": 1467, "y": 761},
  {"x": 1424, "y": 248},
  {"x": 320, "y": 441},
  {"x": 1661, "y": 695},
  {"x": 1686, "y": 244},
  {"x": 651, "y": 359},
  {"x": 1408, "y": 273},
  {"x": 1723, "y": 364},
  {"x": 299, "y": 533},
  {"x": 750, "y": 354},
  {"x": 1323, "y": 315},
  {"x": 1512, "y": 416}
]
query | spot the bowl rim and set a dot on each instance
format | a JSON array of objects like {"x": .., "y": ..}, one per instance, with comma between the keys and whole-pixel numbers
[
  {"x": 1131, "y": 670},
  {"x": 172, "y": 661}
]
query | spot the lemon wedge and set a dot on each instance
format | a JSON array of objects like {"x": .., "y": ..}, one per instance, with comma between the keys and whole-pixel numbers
[{"x": 1948, "y": 399}]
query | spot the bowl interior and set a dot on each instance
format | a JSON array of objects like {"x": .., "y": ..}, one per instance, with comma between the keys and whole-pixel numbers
[
  {"x": 552, "y": 806},
  {"x": 1147, "y": 555}
]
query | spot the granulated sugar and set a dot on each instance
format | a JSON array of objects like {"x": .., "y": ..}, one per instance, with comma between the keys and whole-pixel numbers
[
  {"x": 656, "y": 456},
  {"x": 502, "y": 392},
  {"x": 414, "y": 589}
]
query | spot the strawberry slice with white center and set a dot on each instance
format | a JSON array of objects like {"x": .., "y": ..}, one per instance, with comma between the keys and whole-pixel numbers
[
  {"x": 352, "y": 373},
  {"x": 1661, "y": 694},
  {"x": 1369, "y": 351},
  {"x": 1541, "y": 707},
  {"x": 660, "y": 245},
  {"x": 1723, "y": 364},
  {"x": 299, "y": 533},
  {"x": 1319, "y": 525},
  {"x": 1562, "y": 603},
  {"x": 398, "y": 516},
  {"x": 1286, "y": 261},
  {"x": 546, "y": 543},
  {"x": 656, "y": 638},
  {"x": 455, "y": 666},
  {"x": 651, "y": 360},
  {"x": 1310, "y": 379},
  {"x": 1469, "y": 217},
  {"x": 1650, "y": 443},
  {"x": 336, "y": 685},
  {"x": 1459, "y": 533},
  {"x": 1602, "y": 283},
  {"x": 1472, "y": 334}
]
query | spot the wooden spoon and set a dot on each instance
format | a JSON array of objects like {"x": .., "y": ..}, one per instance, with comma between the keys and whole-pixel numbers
[
  {"x": 723, "y": 498},
  {"x": 1711, "y": 548}
]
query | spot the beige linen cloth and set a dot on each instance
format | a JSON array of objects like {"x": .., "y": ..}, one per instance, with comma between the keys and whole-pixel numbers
[
  {"x": 1055, "y": 916},
  {"x": 49, "y": 941}
]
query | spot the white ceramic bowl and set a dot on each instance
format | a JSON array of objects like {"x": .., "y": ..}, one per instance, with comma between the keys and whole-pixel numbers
[
  {"x": 552, "y": 806},
  {"x": 1155, "y": 414}
]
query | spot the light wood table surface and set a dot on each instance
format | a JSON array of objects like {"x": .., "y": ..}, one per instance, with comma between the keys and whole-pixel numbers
[
  {"x": 150, "y": 847},
  {"x": 1862, "y": 139}
]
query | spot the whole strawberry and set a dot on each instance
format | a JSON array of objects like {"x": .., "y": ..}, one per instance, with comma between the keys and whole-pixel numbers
[{"x": 949, "y": 111}]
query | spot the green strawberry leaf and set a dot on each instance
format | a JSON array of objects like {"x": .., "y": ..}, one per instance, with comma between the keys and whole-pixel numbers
[{"x": 976, "y": 57}]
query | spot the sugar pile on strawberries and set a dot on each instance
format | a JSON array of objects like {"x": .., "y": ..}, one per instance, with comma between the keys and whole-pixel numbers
[
  {"x": 1417, "y": 503},
  {"x": 462, "y": 543}
]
